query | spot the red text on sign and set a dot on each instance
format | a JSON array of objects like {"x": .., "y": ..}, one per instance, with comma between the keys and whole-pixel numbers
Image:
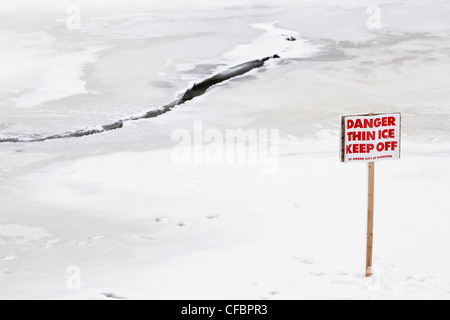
[
  {"x": 368, "y": 147},
  {"x": 359, "y": 148},
  {"x": 387, "y": 146},
  {"x": 371, "y": 123},
  {"x": 386, "y": 134}
]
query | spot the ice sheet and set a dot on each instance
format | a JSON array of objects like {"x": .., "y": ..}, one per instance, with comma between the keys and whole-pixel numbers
[{"x": 117, "y": 208}]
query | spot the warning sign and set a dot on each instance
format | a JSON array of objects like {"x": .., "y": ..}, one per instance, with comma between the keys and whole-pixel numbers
[{"x": 368, "y": 138}]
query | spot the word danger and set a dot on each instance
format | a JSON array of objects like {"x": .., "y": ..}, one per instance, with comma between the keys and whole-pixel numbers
[
  {"x": 371, "y": 122},
  {"x": 370, "y": 138}
]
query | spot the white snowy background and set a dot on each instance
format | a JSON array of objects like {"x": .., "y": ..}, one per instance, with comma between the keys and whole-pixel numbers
[{"x": 114, "y": 216}]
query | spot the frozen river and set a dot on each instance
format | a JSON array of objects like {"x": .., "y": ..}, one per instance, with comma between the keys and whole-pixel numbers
[{"x": 119, "y": 214}]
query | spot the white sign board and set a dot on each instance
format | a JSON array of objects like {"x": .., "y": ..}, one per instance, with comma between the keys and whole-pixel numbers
[{"x": 369, "y": 138}]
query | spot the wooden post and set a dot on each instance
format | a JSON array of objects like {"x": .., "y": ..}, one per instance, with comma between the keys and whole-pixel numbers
[{"x": 370, "y": 211}]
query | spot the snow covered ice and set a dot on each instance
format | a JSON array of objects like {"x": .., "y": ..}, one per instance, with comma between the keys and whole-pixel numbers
[{"x": 115, "y": 212}]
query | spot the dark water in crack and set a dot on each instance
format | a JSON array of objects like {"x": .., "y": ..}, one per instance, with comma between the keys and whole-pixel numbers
[{"x": 197, "y": 90}]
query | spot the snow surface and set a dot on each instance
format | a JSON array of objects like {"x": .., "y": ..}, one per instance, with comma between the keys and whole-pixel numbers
[{"x": 135, "y": 223}]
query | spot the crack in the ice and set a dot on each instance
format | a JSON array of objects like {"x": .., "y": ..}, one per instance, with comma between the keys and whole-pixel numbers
[{"x": 197, "y": 90}]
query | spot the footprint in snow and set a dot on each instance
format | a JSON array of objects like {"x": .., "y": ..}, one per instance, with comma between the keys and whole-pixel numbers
[
  {"x": 271, "y": 294},
  {"x": 5, "y": 271},
  {"x": 213, "y": 216},
  {"x": 318, "y": 273},
  {"x": 146, "y": 238},
  {"x": 342, "y": 273},
  {"x": 162, "y": 220},
  {"x": 50, "y": 243},
  {"x": 90, "y": 239},
  {"x": 7, "y": 258},
  {"x": 304, "y": 260},
  {"x": 295, "y": 205},
  {"x": 112, "y": 295},
  {"x": 184, "y": 224}
]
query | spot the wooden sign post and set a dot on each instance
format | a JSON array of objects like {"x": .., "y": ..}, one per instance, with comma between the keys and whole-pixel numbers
[
  {"x": 369, "y": 138},
  {"x": 370, "y": 213}
]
